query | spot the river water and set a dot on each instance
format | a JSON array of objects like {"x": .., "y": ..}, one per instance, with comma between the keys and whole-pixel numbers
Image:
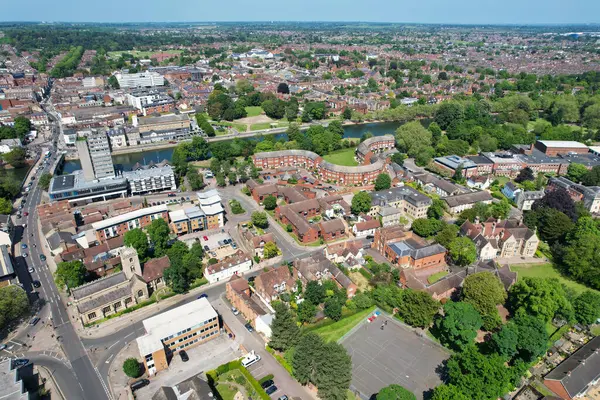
[{"x": 126, "y": 161}]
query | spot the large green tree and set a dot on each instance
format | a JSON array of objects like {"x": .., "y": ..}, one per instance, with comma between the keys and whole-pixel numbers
[
  {"x": 587, "y": 307},
  {"x": 159, "y": 231},
  {"x": 462, "y": 251},
  {"x": 448, "y": 392},
  {"x": 306, "y": 312},
  {"x": 449, "y": 113},
  {"x": 457, "y": 328},
  {"x": 131, "y": 367},
  {"x": 16, "y": 157},
  {"x": 284, "y": 331},
  {"x": 395, "y": 392},
  {"x": 427, "y": 227},
  {"x": 13, "y": 304},
  {"x": 44, "y": 180},
  {"x": 6, "y": 206},
  {"x": 361, "y": 203},
  {"x": 417, "y": 308},
  {"x": 260, "y": 219},
  {"x": 314, "y": 292},
  {"x": 70, "y": 274},
  {"x": 137, "y": 239},
  {"x": 484, "y": 291},
  {"x": 270, "y": 202},
  {"x": 414, "y": 140},
  {"x": 581, "y": 257},
  {"x": 383, "y": 182},
  {"x": 544, "y": 298}
]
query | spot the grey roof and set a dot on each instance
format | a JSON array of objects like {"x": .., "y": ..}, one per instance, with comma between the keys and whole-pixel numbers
[
  {"x": 365, "y": 146},
  {"x": 98, "y": 285},
  {"x": 407, "y": 193},
  {"x": 57, "y": 238},
  {"x": 531, "y": 195},
  {"x": 283, "y": 153},
  {"x": 454, "y": 161},
  {"x": 416, "y": 250},
  {"x": 467, "y": 198},
  {"x": 104, "y": 299},
  {"x": 385, "y": 211},
  {"x": 194, "y": 388},
  {"x": 580, "y": 369},
  {"x": 480, "y": 160}
]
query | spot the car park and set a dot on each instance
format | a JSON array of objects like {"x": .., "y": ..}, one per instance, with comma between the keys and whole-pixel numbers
[
  {"x": 267, "y": 383},
  {"x": 184, "y": 356}
]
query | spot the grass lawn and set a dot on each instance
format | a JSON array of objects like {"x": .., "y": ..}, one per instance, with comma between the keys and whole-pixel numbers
[
  {"x": 437, "y": 276},
  {"x": 351, "y": 395},
  {"x": 239, "y": 127},
  {"x": 342, "y": 157},
  {"x": 546, "y": 271},
  {"x": 335, "y": 331},
  {"x": 253, "y": 111},
  {"x": 226, "y": 392},
  {"x": 595, "y": 330},
  {"x": 502, "y": 180}
]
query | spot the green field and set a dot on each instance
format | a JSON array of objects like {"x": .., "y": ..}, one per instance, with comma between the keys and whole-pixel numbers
[
  {"x": 335, "y": 331},
  {"x": 239, "y": 127},
  {"x": 342, "y": 157},
  {"x": 253, "y": 111},
  {"x": 267, "y": 125},
  {"x": 437, "y": 276},
  {"x": 140, "y": 54},
  {"x": 546, "y": 271},
  {"x": 226, "y": 391}
]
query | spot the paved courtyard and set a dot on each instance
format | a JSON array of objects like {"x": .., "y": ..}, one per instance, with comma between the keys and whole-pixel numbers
[{"x": 392, "y": 355}]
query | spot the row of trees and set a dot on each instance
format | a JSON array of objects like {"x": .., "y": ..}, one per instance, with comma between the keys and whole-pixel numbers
[{"x": 68, "y": 64}]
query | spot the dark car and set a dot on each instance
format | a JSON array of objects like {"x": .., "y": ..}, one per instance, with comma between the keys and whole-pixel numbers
[
  {"x": 139, "y": 384},
  {"x": 203, "y": 296},
  {"x": 184, "y": 356},
  {"x": 271, "y": 389},
  {"x": 268, "y": 383},
  {"x": 42, "y": 257},
  {"x": 36, "y": 284},
  {"x": 249, "y": 327},
  {"x": 19, "y": 362},
  {"x": 206, "y": 248}
]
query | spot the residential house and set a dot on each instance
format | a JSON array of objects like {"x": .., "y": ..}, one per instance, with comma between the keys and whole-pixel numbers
[
  {"x": 366, "y": 228},
  {"x": 236, "y": 264},
  {"x": 413, "y": 203},
  {"x": 589, "y": 195},
  {"x": 348, "y": 253},
  {"x": 271, "y": 284},
  {"x": 480, "y": 182},
  {"x": 316, "y": 267},
  {"x": 333, "y": 229},
  {"x": 525, "y": 199},
  {"x": 510, "y": 190},
  {"x": 244, "y": 299},
  {"x": 458, "y": 203},
  {"x": 433, "y": 184},
  {"x": 501, "y": 238}
]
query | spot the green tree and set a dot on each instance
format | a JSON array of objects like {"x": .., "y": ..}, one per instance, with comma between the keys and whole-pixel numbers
[
  {"x": 16, "y": 157},
  {"x": 137, "y": 239},
  {"x": 448, "y": 233},
  {"x": 333, "y": 309},
  {"x": 5, "y": 206},
  {"x": 427, "y": 227},
  {"x": 526, "y": 174},
  {"x": 483, "y": 290},
  {"x": 449, "y": 113},
  {"x": 540, "y": 297},
  {"x": 532, "y": 339},
  {"x": 361, "y": 203},
  {"x": 314, "y": 292},
  {"x": 505, "y": 341},
  {"x": 448, "y": 392},
  {"x": 22, "y": 126},
  {"x": 306, "y": 312},
  {"x": 271, "y": 250},
  {"x": 457, "y": 328},
  {"x": 132, "y": 368},
  {"x": 13, "y": 304},
  {"x": 306, "y": 357},
  {"x": 347, "y": 114},
  {"x": 395, "y": 392},
  {"x": 260, "y": 219},
  {"x": 113, "y": 82},
  {"x": 285, "y": 333},
  {"x": 576, "y": 172},
  {"x": 414, "y": 140},
  {"x": 333, "y": 373},
  {"x": 462, "y": 251},
  {"x": 581, "y": 255},
  {"x": 436, "y": 209},
  {"x": 44, "y": 180},
  {"x": 587, "y": 307},
  {"x": 383, "y": 182},
  {"x": 159, "y": 231},
  {"x": 591, "y": 116},
  {"x": 270, "y": 202},
  {"x": 70, "y": 274},
  {"x": 417, "y": 308}
]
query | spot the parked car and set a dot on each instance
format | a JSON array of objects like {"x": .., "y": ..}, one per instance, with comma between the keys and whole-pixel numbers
[
  {"x": 206, "y": 248},
  {"x": 205, "y": 238},
  {"x": 31, "y": 270},
  {"x": 23, "y": 246},
  {"x": 267, "y": 383},
  {"x": 25, "y": 255},
  {"x": 234, "y": 311},
  {"x": 250, "y": 359},
  {"x": 249, "y": 327},
  {"x": 2, "y": 346},
  {"x": 34, "y": 320},
  {"x": 25, "y": 213},
  {"x": 184, "y": 356},
  {"x": 139, "y": 384},
  {"x": 42, "y": 257},
  {"x": 271, "y": 389},
  {"x": 284, "y": 397},
  {"x": 203, "y": 296},
  {"x": 36, "y": 284},
  {"x": 19, "y": 362}
]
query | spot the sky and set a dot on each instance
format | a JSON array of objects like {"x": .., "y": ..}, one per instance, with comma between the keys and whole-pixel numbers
[{"x": 409, "y": 11}]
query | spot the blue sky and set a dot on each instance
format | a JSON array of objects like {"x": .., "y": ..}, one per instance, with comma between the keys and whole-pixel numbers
[{"x": 419, "y": 11}]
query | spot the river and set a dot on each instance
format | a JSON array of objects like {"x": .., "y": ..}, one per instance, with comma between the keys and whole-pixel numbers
[{"x": 126, "y": 161}]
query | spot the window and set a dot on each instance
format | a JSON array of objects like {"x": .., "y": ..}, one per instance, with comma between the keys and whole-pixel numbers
[
  {"x": 140, "y": 293},
  {"x": 127, "y": 301},
  {"x": 106, "y": 310},
  {"x": 92, "y": 315}
]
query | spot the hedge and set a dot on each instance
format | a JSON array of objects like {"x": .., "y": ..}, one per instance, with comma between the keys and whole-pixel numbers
[
  {"x": 213, "y": 377},
  {"x": 266, "y": 378},
  {"x": 366, "y": 273},
  {"x": 281, "y": 361}
]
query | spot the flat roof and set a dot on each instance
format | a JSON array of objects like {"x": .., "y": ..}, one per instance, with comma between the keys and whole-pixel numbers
[
  {"x": 77, "y": 182},
  {"x": 129, "y": 216},
  {"x": 6, "y": 267},
  {"x": 172, "y": 321},
  {"x": 562, "y": 143}
]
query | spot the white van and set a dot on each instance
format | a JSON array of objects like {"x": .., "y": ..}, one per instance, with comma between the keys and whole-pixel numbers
[{"x": 250, "y": 359}]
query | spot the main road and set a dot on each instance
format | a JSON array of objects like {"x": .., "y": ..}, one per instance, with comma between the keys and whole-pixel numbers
[{"x": 82, "y": 381}]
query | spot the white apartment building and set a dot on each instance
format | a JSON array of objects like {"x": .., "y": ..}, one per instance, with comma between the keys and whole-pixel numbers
[
  {"x": 148, "y": 179},
  {"x": 140, "y": 79},
  {"x": 142, "y": 98},
  {"x": 236, "y": 264}
]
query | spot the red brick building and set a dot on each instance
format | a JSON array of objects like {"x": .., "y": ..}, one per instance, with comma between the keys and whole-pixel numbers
[
  {"x": 119, "y": 225},
  {"x": 333, "y": 229}
]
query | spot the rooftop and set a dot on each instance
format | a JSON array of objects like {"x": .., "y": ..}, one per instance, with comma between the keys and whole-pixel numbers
[
  {"x": 129, "y": 216},
  {"x": 562, "y": 143}
]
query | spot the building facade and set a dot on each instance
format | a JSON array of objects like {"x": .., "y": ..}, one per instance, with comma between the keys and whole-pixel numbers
[
  {"x": 94, "y": 153},
  {"x": 121, "y": 224}
]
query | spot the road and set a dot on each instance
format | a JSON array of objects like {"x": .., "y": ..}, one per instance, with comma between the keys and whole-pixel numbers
[{"x": 83, "y": 380}]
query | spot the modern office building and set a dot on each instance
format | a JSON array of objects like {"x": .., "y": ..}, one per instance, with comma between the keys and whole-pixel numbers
[
  {"x": 77, "y": 189},
  {"x": 141, "y": 79},
  {"x": 210, "y": 204},
  {"x": 150, "y": 178},
  {"x": 188, "y": 220},
  {"x": 166, "y": 333},
  {"x": 94, "y": 153}
]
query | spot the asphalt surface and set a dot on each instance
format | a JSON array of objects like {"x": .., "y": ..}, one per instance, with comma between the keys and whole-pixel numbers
[
  {"x": 395, "y": 354},
  {"x": 82, "y": 381}
]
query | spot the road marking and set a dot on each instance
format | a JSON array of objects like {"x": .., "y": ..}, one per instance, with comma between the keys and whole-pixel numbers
[
  {"x": 112, "y": 345},
  {"x": 108, "y": 359},
  {"x": 128, "y": 335}
]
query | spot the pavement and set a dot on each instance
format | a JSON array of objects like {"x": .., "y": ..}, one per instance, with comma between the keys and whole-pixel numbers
[{"x": 395, "y": 354}]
